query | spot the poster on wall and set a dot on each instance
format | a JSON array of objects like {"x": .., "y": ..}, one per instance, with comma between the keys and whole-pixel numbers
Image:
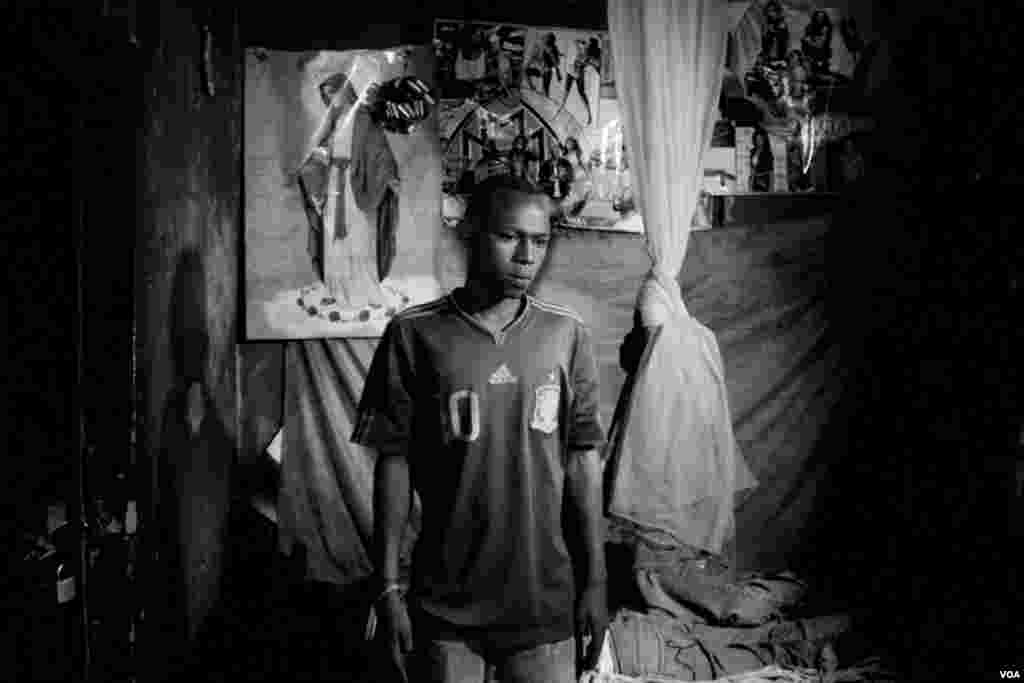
[
  {"x": 537, "y": 102},
  {"x": 342, "y": 205},
  {"x": 795, "y": 90}
]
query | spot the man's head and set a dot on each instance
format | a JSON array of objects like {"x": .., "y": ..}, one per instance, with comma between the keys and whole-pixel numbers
[
  {"x": 330, "y": 87},
  {"x": 507, "y": 229}
]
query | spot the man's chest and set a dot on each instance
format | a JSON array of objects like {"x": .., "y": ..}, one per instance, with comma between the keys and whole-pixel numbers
[{"x": 475, "y": 389}]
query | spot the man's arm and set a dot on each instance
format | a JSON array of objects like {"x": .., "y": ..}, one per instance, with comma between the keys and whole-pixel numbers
[
  {"x": 384, "y": 424},
  {"x": 391, "y": 499},
  {"x": 585, "y": 488},
  {"x": 585, "y": 491}
]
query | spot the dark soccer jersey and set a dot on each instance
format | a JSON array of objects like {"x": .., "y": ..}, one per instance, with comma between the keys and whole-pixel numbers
[{"x": 488, "y": 421}]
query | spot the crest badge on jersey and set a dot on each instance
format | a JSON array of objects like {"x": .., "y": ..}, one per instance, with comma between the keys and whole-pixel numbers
[{"x": 545, "y": 406}]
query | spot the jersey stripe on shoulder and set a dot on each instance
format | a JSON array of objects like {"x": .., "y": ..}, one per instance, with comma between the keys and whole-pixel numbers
[
  {"x": 557, "y": 309},
  {"x": 424, "y": 309}
]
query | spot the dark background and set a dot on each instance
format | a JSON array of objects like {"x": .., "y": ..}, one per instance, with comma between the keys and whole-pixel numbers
[{"x": 925, "y": 256}]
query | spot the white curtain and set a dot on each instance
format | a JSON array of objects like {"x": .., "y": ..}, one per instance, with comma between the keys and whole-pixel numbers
[{"x": 674, "y": 466}]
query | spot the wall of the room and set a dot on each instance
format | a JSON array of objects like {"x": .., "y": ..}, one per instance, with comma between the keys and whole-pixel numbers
[{"x": 187, "y": 264}]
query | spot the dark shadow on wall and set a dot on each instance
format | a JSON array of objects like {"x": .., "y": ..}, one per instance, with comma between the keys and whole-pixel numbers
[
  {"x": 920, "y": 296},
  {"x": 193, "y": 487}
]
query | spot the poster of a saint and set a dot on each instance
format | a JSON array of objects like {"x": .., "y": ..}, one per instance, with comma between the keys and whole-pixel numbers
[{"x": 343, "y": 172}]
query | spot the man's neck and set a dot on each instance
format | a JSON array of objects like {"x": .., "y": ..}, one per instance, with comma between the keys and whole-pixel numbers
[{"x": 492, "y": 309}]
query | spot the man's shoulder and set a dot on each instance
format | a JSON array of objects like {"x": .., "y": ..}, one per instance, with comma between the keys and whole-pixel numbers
[
  {"x": 557, "y": 312},
  {"x": 424, "y": 311}
]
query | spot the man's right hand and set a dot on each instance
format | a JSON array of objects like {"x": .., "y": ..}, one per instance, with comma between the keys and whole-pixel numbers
[{"x": 396, "y": 629}]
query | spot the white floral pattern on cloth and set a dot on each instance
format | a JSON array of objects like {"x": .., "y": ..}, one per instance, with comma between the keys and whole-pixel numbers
[{"x": 317, "y": 301}]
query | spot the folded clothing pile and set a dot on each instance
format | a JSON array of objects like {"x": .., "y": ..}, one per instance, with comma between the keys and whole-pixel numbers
[
  {"x": 768, "y": 674},
  {"x": 700, "y": 587},
  {"x": 692, "y": 617},
  {"x": 659, "y": 645},
  {"x": 868, "y": 673},
  {"x": 660, "y": 649}
]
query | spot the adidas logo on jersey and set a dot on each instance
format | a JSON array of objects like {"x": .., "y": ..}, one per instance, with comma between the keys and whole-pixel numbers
[{"x": 502, "y": 376}]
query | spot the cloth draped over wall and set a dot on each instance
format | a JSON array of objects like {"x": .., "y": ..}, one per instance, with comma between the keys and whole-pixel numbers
[
  {"x": 325, "y": 504},
  {"x": 765, "y": 293}
]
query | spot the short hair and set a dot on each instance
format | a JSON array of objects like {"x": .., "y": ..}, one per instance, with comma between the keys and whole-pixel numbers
[{"x": 485, "y": 196}]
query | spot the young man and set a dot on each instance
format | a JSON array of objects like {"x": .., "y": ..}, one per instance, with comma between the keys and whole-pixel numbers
[{"x": 485, "y": 402}]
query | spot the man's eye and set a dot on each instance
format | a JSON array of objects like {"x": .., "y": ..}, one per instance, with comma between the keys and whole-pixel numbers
[{"x": 541, "y": 242}]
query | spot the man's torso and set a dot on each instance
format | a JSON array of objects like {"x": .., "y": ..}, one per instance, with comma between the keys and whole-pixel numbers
[{"x": 490, "y": 428}]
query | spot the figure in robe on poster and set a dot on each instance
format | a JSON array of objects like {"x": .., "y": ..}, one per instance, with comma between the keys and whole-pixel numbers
[{"x": 350, "y": 184}]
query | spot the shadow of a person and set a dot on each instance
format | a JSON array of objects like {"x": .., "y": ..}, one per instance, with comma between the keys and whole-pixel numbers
[{"x": 192, "y": 476}]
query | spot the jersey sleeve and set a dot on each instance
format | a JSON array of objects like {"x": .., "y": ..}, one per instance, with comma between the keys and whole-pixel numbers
[
  {"x": 585, "y": 430},
  {"x": 385, "y": 414}
]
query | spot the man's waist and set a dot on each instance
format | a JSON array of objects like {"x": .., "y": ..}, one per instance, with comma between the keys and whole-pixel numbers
[{"x": 435, "y": 621}]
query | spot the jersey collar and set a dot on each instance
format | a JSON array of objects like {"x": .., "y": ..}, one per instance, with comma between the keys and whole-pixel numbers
[{"x": 499, "y": 336}]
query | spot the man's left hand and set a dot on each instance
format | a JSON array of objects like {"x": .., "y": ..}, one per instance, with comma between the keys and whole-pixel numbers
[{"x": 592, "y": 622}]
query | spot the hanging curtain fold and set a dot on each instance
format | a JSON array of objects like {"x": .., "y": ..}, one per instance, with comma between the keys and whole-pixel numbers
[
  {"x": 326, "y": 499},
  {"x": 674, "y": 465}
]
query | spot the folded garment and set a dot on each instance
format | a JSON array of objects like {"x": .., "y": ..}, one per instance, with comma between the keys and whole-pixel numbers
[
  {"x": 785, "y": 587},
  {"x": 768, "y": 674},
  {"x": 706, "y": 584},
  {"x": 655, "y": 597},
  {"x": 699, "y": 583},
  {"x": 650, "y": 645},
  {"x": 817, "y": 630},
  {"x": 763, "y": 597}
]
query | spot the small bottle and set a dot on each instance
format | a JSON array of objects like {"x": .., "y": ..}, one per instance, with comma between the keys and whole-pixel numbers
[
  {"x": 67, "y": 585},
  {"x": 65, "y": 540}
]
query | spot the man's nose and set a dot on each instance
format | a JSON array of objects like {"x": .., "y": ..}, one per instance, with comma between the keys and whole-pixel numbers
[{"x": 525, "y": 251}]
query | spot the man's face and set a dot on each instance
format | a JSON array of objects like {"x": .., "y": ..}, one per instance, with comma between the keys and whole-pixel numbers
[{"x": 512, "y": 245}]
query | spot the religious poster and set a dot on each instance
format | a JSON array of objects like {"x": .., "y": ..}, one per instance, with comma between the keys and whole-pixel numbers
[
  {"x": 539, "y": 102},
  {"x": 798, "y": 74},
  {"x": 342, "y": 190}
]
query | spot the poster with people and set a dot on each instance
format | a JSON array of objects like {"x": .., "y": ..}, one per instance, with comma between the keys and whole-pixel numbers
[
  {"x": 342, "y": 211},
  {"x": 534, "y": 101},
  {"x": 799, "y": 74}
]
